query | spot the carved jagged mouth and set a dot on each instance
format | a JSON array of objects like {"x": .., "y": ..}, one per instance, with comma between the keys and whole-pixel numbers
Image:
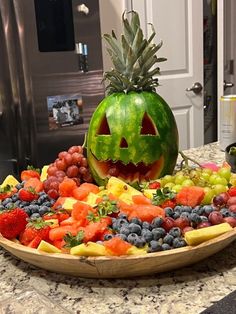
[{"x": 129, "y": 172}]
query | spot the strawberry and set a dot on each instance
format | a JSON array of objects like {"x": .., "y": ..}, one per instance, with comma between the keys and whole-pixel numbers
[
  {"x": 154, "y": 185},
  {"x": 35, "y": 228},
  {"x": 27, "y": 195},
  {"x": 31, "y": 172},
  {"x": 169, "y": 203},
  {"x": 12, "y": 222},
  {"x": 232, "y": 191}
]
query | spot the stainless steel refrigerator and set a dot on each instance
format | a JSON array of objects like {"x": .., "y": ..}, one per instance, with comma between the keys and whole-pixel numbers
[{"x": 50, "y": 78}]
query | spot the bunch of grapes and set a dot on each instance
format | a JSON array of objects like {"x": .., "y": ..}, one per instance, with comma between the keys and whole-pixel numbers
[
  {"x": 213, "y": 182},
  {"x": 71, "y": 164}
]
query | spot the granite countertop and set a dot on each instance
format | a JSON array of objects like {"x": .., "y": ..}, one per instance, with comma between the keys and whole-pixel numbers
[{"x": 189, "y": 290}]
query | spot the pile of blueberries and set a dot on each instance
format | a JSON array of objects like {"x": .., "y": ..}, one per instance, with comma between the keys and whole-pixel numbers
[
  {"x": 140, "y": 233},
  {"x": 34, "y": 209}
]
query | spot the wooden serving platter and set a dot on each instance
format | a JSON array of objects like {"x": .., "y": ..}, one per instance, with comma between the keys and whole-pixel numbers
[{"x": 122, "y": 266}]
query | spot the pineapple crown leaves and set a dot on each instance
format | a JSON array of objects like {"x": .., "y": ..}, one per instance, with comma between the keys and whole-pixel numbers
[{"x": 133, "y": 58}]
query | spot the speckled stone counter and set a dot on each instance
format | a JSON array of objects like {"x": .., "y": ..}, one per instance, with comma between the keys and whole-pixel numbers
[{"x": 188, "y": 290}]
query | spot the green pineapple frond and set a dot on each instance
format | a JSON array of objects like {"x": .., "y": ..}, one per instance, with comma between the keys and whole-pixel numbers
[{"x": 134, "y": 58}]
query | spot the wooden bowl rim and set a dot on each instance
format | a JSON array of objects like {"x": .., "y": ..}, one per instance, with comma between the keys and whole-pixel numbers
[{"x": 8, "y": 243}]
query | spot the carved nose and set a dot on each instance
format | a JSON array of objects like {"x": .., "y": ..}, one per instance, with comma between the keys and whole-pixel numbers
[{"x": 123, "y": 143}]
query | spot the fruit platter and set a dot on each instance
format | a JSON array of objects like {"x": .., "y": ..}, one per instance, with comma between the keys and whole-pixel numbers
[{"x": 118, "y": 206}]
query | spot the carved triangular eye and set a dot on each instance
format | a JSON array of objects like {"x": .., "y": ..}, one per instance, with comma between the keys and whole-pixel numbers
[
  {"x": 148, "y": 126},
  {"x": 104, "y": 127}
]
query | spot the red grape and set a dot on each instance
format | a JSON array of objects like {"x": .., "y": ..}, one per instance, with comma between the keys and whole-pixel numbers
[
  {"x": 203, "y": 224},
  {"x": 76, "y": 157},
  {"x": 62, "y": 154},
  {"x": 84, "y": 162},
  {"x": 219, "y": 200},
  {"x": 231, "y": 221},
  {"x": 73, "y": 149},
  {"x": 168, "y": 223},
  {"x": 61, "y": 164},
  {"x": 231, "y": 201},
  {"x": 83, "y": 170},
  {"x": 232, "y": 208},
  {"x": 68, "y": 159},
  {"x": 52, "y": 170},
  {"x": 53, "y": 193},
  {"x": 54, "y": 185},
  {"x": 60, "y": 173},
  {"x": 72, "y": 171},
  {"x": 215, "y": 218},
  {"x": 182, "y": 222}
]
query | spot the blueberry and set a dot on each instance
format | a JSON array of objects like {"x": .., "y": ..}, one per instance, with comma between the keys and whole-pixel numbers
[
  {"x": 2, "y": 207},
  {"x": 168, "y": 239},
  {"x": 24, "y": 203},
  {"x": 208, "y": 209},
  {"x": 198, "y": 210},
  {"x": 34, "y": 208},
  {"x": 120, "y": 222},
  {"x": 203, "y": 218},
  {"x": 178, "y": 208},
  {"x": 9, "y": 205},
  {"x": 6, "y": 201},
  {"x": 19, "y": 186},
  {"x": 175, "y": 232},
  {"x": 125, "y": 231},
  {"x": 14, "y": 198},
  {"x": 27, "y": 210},
  {"x": 17, "y": 203},
  {"x": 146, "y": 225},
  {"x": 179, "y": 242},
  {"x": 123, "y": 216},
  {"x": 158, "y": 233},
  {"x": 132, "y": 238},
  {"x": 35, "y": 216},
  {"x": 113, "y": 220},
  {"x": 176, "y": 215},
  {"x": 122, "y": 236},
  {"x": 166, "y": 246},
  {"x": 43, "y": 210},
  {"x": 154, "y": 246},
  {"x": 195, "y": 218},
  {"x": 136, "y": 221},
  {"x": 225, "y": 212},
  {"x": 47, "y": 203},
  {"x": 187, "y": 209},
  {"x": 147, "y": 235},
  {"x": 168, "y": 211},
  {"x": 157, "y": 222},
  {"x": 140, "y": 242},
  {"x": 185, "y": 214},
  {"x": 134, "y": 228},
  {"x": 108, "y": 237}
]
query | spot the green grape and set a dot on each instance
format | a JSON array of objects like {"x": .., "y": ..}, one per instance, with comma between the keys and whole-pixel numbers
[
  {"x": 220, "y": 180},
  {"x": 225, "y": 172},
  {"x": 166, "y": 179},
  {"x": 179, "y": 178},
  {"x": 212, "y": 178},
  {"x": 188, "y": 182},
  {"x": 207, "y": 170},
  {"x": 205, "y": 176},
  {"x": 169, "y": 185},
  {"x": 176, "y": 188},
  {"x": 209, "y": 194},
  {"x": 219, "y": 188}
]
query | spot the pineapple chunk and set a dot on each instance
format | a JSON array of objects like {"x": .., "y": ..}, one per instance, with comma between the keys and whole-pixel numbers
[
  {"x": 47, "y": 247},
  {"x": 10, "y": 180},
  {"x": 195, "y": 237},
  {"x": 121, "y": 189},
  {"x": 68, "y": 203},
  {"x": 149, "y": 193},
  {"x": 91, "y": 199},
  {"x": 88, "y": 249},
  {"x": 44, "y": 174},
  {"x": 136, "y": 251}
]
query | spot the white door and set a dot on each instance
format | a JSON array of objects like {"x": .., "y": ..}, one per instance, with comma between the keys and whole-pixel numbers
[{"x": 179, "y": 24}]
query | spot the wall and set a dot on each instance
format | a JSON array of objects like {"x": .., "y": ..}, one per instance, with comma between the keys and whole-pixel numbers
[{"x": 110, "y": 19}]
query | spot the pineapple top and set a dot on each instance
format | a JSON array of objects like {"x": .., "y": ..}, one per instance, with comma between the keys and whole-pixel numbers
[{"x": 133, "y": 59}]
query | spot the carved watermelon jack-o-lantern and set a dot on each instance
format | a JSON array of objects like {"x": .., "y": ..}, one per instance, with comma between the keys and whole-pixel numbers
[{"x": 133, "y": 133}]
